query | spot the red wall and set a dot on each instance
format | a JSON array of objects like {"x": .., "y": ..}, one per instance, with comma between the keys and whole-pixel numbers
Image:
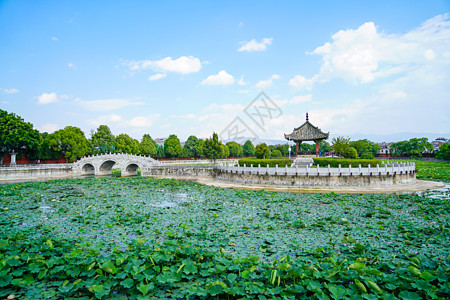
[{"x": 25, "y": 160}]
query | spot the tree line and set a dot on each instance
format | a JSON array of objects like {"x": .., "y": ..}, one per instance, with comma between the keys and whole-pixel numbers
[{"x": 19, "y": 136}]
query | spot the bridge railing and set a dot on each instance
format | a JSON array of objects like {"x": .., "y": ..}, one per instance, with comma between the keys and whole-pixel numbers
[{"x": 392, "y": 169}]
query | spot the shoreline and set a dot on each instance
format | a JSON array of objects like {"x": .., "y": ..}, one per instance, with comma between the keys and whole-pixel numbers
[{"x": 419, "y": 186}]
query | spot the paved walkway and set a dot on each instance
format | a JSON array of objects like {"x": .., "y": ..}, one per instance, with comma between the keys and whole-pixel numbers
[{"x": 420, "y": 185}]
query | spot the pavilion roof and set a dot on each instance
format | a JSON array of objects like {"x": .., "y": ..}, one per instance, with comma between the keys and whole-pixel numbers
[{"x": 307, "y": 132}]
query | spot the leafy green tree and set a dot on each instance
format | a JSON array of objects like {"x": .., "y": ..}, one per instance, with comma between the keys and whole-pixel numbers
[
  {"x": 225, "y": 151},
  {"x": 324, "y": 146},
  {"x": 71, "y": 142},
  {"x": 160, "y": 152},
  {"x": 199, "y": 149},
  {"x": 305, "y": 147},
  {"x": 172, "y": 146},
  {"x": 44, "y": 151},
  {"x": 413, "y": 147},
  {"x": 103, "y": 140},
  {"x": 236, "y": 150},
  {"x": 277, "y": 153},
  {"x": 212, "y": 148},
  {"x": 351, "y": 153},
  {"x": 148, "y": 146},
  {"x": 190, "y": 147},
  {"x": 284, "y": 149},
  {"x": 365, "y": 148},
  {"x": 340, "y": 145},
  {"x": 444, "y": 152},
  {"x": 262, "y": 151},
  {"x": 17, "y": 135},
  {"x": 126, "y": 144},
  {"x": 249, "y": 148}
]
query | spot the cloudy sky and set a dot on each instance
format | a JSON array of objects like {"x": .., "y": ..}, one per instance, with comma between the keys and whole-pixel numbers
[{"x": 371, "y": 68}]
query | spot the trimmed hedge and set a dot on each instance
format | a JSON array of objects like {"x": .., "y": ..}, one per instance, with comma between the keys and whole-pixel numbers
[
  {"x": 334, "y": 162},
  {"x": 281, "y": 162}
]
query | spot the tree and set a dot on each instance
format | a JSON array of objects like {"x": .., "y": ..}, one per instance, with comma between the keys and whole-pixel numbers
[
  {"x": 324, "y": 146},
  {"x": 16, "y": 135},
  {"x": 199, "y": 149},
  {"x": 172, "y": 146},
  {"x": 190, "y": 147},
  {"x": 277, "y": 153},
  {"x": 126, "y": 144},
  {"x": 71, "y": 142},
  {"x": 148, "y": 146},
  {"x": 284, "y": 149},
  {"x": 444, "y": 152},
  {"x": 248, "y": 148},
  {"x": 340, "y": 144},
  {"x": 413, "y": 147},
  {"x": 44, "y": 151},
  {"x": 236, "y": 150},
  {"x": 225, "y": 151},
  {"x": 351, "y": 153},
  {"x": 103, "y": 140},
  {"x": 160, "y": 152},
  {"x": 365, "y": 148},
  {"x": 212, "y": 148},
  {"x": 305, "y": 147},
  {"x": 262, "y": 151}
]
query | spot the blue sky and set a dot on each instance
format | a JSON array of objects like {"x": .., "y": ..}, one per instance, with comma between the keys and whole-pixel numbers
[{"x": 372, "y": 68}]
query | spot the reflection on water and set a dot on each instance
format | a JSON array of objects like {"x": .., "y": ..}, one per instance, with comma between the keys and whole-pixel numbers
[
  {"x": 175, "y": 200},
  {"x": 442, "y": 193}
]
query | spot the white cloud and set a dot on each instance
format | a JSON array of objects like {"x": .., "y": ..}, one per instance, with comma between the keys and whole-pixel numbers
[
  {"x": 267, "y": 83},
  {"x": 254, "y": 45},
  {"x": 47, "y": 98},
  {"x": 49, "y": 127},
  {"x": 241, "y": 81},
  {"x": 222, "y": 78},
  {"x": 140, "y": 121},
  {"x": 72, "y": 66},
  {"x": 102, "y": 120},
  {"x": 301, "y": 82},
  {"x": 182, "y": 65},
  {"x": 157, "y": 76},
  {"x": 54, "y": 38},
  {"x": 9, "y": 91},
  {"x": 106, "y": 104},
  {"x": 364, "y": 54}
]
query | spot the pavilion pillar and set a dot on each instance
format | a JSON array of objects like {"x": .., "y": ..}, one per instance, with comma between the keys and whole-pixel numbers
[
  {"x": 317, "y": 148},
  {"x": 297, "y": 144}
]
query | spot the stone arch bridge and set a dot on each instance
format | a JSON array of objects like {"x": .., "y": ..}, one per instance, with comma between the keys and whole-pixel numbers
[{"x": 103, "y": 164}]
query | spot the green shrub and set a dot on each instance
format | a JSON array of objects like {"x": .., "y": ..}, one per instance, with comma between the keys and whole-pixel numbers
[
  {"x": 351, "y": 153},
  {"x": 281, "y": 162},
  {"x": 277, "y": 153},
  {"x": 334, "y": 162}
]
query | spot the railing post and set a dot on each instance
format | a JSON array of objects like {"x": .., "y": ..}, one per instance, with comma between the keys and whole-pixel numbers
[
  {"x": 339, "y": 169},
  {"x": 368, "y": 168},
  {"x": 276, "y": 169},
  {"x": 350, "y": 170},
  {"x": 359, "y": 167}
]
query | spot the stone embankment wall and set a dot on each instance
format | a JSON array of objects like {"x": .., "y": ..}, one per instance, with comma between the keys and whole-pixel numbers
[
  {"x": 35, "y": 171},
  {"x": 181, "y": 171},
  {"x": 302, "y": 181}
]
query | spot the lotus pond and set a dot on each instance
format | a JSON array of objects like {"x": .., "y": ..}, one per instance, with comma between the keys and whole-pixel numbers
[{"x": 145, "y": 238}]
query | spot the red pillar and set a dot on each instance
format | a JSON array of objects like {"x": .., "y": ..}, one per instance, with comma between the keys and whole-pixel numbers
[
  {"x": 317, "y": 149},
  {"x": 297, "y": 146}
]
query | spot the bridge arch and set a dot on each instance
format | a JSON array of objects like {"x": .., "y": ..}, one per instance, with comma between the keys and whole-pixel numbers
[
  {"x": 88, "y": 169},
  {"x": 105, "y": 167},
  {"x": 131, "y": 169}
]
